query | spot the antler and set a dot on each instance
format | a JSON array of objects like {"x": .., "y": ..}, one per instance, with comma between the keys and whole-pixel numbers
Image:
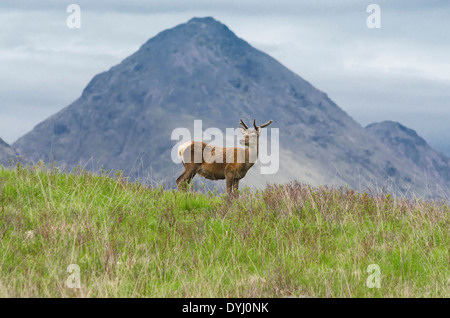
[
  {"x": 267, "y": 124},
  {"x": 243, "y": 124},
  {"x": 262, "y": 126}
]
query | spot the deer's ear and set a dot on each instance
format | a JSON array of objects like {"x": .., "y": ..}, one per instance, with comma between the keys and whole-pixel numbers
[{"x": 243, "y": 130}]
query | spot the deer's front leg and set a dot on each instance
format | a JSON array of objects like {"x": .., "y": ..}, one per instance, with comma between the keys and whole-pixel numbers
[{"x": 229, "y": 179}]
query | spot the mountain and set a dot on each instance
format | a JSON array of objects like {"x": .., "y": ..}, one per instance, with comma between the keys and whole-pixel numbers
[
  {"x": 406, "y": 142},
  {"x": 6, "y": 153},
  {"x": 201, "y": 70}
]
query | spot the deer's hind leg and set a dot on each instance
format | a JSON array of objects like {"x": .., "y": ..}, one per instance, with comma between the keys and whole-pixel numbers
[{"x": 186, "y": 177}]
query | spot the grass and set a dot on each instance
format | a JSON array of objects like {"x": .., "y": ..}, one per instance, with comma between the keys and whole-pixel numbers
[{"x": 289, "y": 240}]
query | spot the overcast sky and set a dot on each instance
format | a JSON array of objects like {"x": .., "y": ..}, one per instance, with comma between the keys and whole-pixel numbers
[{"x": 400, "y": 71}]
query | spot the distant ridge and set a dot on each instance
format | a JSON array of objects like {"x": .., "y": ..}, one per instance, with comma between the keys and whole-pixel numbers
[
  {"x": 406, "y": 142},
  {"x": 6, "y": 153}
]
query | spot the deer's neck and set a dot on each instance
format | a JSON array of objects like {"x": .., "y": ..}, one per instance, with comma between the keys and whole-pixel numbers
[{"x": 251, "y": 154}]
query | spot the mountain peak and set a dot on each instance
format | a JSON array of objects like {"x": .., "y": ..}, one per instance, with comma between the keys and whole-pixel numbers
[
  {"x": 204, "y": 20},
  {"x": 206, "y": 23},
  {"x": 195, "y": 27}
]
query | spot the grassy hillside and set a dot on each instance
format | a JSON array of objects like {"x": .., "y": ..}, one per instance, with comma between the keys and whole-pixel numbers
[{"x": 290, "y": 240}]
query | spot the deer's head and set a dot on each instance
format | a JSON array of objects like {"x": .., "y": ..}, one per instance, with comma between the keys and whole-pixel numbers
[{"x": 251, "y": 135}]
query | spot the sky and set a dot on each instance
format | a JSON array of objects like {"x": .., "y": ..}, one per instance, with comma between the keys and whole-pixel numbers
[{"x": 400, "y": 71}]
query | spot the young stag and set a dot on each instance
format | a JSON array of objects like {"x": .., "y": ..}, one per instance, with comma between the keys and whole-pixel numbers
[{"x": 215, "y": 163}]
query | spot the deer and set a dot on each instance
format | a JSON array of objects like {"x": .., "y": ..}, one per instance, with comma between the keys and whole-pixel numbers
[{"x": 216, "y": 163}]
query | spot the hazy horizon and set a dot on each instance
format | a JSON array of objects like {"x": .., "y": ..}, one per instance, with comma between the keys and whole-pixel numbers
[{"x": 399, "y": 72}]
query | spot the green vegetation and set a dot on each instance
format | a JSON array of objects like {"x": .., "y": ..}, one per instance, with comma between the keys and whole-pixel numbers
[{"x": 291, "y": 240}]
